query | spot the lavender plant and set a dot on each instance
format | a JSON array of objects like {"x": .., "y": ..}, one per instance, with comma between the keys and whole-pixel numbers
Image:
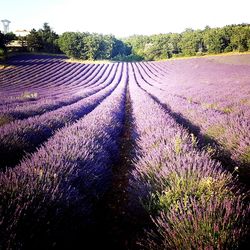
[
  {"x": 172, "y": 176},
  {"x": 22, "y": 136},
  {"x": 70, "y": 171}
]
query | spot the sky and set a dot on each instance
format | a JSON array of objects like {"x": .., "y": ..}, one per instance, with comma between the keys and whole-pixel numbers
[{"x": 123, "y": 18}]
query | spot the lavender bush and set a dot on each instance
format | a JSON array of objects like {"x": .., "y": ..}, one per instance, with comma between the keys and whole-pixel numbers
[
  {"x": 175, "y": 180},
  {"x": 70, "y": 171}
]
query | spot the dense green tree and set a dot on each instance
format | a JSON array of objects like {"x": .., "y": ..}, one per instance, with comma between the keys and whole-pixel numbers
[
  {"x": 139, "y": 44},
  {"x": 72, "y": 44},
  {"x": 173, "y": 44},
  {"x": 240, "y": 39},
  {"x": 191, "y": 42},
  {"x": 120, "y": 48},
  {"x": 93, "y": 46},
  {"x": 34, "y": 41},
  {"x": 44, "y": 39},
  {"x": 5, "y": 39},
  {"x": 216, "y": 40},
  {"x": 2, "y": 42},
  {"x": 49, "y": 39}
]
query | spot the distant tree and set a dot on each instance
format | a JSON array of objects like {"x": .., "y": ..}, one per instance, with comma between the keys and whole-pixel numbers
[
  {"x": 2, "y": 40},
  {"x": 5, "y": 39},
  {"x": 161, "y": 46},
  {"x": 216, "y": 40},
  {"x": 241, "y": 38},
  {"x": 45, "y": 40},
  {"x": 93, "y": 46},
  {"x": 191, "y": 42},
  {"x": 34, "y": 41},
  {"x": 49, "y": 39},
  {"x": 9, "y": 37},
  {"x": 72, "y": 44},
  {"x": 158, "y": 47},
  {"x": 138, "y": 44},
  {"x": 106, "y": 43},
  {"x": 120, "y": 48},
  {"x": 173, "y": 44}
]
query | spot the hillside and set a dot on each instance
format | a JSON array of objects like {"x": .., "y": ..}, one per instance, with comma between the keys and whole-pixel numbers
[{"x": 126, "y": 155}]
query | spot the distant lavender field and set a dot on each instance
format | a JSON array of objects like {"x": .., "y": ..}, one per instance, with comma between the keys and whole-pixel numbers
[{"x": 144, "y": 155}]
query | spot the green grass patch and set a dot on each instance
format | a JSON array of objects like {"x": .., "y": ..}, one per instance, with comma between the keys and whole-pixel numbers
[
  {"x": 215, "y": 131},
  {"x": 5, "y": 119},
  {"x": 245, "y": 157},
  {"x": 183, "y": 187}
]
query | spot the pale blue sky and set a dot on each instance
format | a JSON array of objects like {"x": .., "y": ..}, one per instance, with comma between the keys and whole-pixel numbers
[{"x": 123, "y": 18}]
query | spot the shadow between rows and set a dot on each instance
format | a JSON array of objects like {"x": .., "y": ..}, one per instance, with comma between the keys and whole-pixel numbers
[{"x": 221, "y": 155}]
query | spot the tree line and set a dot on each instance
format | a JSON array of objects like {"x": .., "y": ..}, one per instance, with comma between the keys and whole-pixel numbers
[
  {"x": 93, "y": 46},
  {"x": 191, "y": 42}
]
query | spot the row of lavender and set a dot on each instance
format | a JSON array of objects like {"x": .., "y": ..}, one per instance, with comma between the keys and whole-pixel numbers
[
  {"x": 14, "y": 111},
  {"x": 50, "y": 79},
  {"x": 22, "y": 136},
  {"x": 188, "y": 195},
  {"x": 192, "y": 201},
  {"x": 229, "y": 130},
  {"x": 218, "y": 86},
  {"x": 61, "y": 182}
]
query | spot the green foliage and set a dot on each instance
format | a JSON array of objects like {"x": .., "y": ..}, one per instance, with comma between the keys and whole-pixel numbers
[
  {"x": 92, "y": 46},
  {"x": 129, "y": 58},
  {"x": 121, "y": 49},
  {"x": 178, "y": 145},
  {"x": 34, "y": 41},
  {"x": 245, "y": 157},
  {"x": 210, "y": 224},
  {"x": 191, "y": 42},
  {"x": 154, "y": 47},
  {"x": 240, "y": 39},
  {"x": 185, "y": 187},
  {"x": 71, "y": 43},
  {"x": 5, "y": 39},
  {"x": 215, "y": 131},
  {"x": 2, "y": 54},
  {"x": 44, "y": 40}
]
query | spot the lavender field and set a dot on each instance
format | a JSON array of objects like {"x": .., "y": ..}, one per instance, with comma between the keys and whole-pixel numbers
[{"x": 142, "y": 155}]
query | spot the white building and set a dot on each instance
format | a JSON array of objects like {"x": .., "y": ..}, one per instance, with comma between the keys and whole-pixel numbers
[{"x": 21, "y": 33}]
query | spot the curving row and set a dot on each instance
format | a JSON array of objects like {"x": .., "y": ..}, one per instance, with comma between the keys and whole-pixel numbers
[
  {"x": 49, "y": 84},
  {"x": 231, "y": 132},
  {"x": 193, "y": 202},
  {"x": 22, "y": 136},
  {"x": 23, "y": 101},
  {"x": 13, "y": 112},
  {"x": 52, "y": 79},
  {"x": 58, "y": 185},
  {"x": 218, "y": 86}
]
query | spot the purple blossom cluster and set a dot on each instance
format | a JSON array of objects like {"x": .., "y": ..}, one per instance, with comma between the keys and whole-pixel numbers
[
  {"x": 72, "y": 169},
  {"x": 177, "y": 183},
  {"x": 43, "y": 105},
  {"x": 51, "y": 80},
  {"x": 60, "y": 136},
  {"x": 22, "y": 136},
  {"x": 229, "y": 128}
]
